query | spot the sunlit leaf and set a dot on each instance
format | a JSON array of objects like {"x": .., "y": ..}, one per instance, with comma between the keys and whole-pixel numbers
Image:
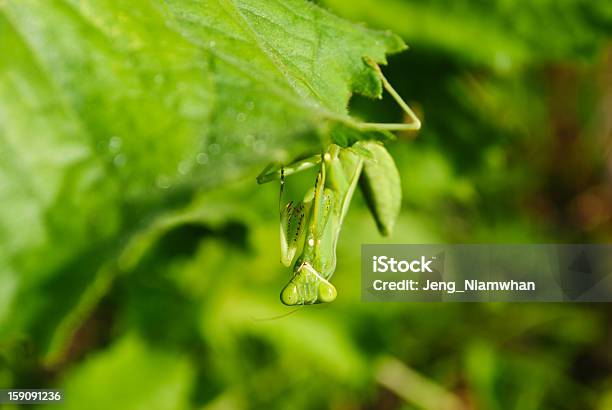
[{"x": 113, "y": 111}]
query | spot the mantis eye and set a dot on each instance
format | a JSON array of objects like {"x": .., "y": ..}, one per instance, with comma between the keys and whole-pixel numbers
[
  {"x": 289, "y": 295},
  {"x": 327, "y": 292}
]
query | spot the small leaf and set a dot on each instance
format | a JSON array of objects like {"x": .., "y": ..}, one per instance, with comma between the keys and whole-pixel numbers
[{"x": 380, "y": 184}]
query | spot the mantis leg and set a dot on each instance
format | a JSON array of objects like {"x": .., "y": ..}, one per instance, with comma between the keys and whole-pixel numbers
[
  {"x": 293, "y": 230},
  {"x": 293, "y": 217},
  {"x": 317, "y": 261},
  {"x": 414, "y": 124},
  {"x": 275, "y": 171}
]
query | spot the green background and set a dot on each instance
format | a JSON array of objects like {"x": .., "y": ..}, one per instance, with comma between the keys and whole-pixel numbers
[{"x": 516, "y": 102}]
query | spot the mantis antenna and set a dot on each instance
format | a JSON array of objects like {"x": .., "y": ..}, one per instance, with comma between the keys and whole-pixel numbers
[{"x": 277, "y": 317}]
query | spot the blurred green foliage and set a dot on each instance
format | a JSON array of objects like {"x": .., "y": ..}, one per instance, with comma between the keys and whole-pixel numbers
[{"x": 134, "y": 279}]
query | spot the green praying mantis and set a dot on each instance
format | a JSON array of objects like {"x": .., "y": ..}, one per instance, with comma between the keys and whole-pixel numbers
[{"x": 309, "y": 229}]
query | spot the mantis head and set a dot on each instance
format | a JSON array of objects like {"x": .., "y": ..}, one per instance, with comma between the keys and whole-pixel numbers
[{"x": 307, "y": 287}]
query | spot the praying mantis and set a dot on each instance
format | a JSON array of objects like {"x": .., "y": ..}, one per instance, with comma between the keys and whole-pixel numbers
[{"x": 309, "y": 229}]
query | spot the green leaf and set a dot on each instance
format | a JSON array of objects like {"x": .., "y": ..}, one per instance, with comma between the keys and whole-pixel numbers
[
  {"x": 112, "y": 112},
  {"x": 381, "y": 187}
]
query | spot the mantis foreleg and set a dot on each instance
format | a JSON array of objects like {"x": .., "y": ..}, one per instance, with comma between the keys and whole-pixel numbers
[
  {"x": 329, "y": 200},
  {"x": 275, "y": 172}
]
